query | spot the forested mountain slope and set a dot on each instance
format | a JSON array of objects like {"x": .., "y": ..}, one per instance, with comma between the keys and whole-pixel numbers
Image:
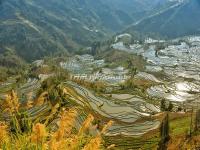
[
  {"x": 180, "y": 20},
  {"x": 36, "y": 28}
]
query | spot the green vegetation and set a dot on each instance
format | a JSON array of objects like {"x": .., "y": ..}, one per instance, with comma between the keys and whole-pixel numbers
[
  {"x": 143, "y": 143},
  {"x": 165, "y": 107},
  {"x": 115, "y": 58},
  {"x": 137, "y": 84},
  {"x": 197, "y": 121},
  {"x": 180, "y": 126},
  {"x": 180, "y": 138},
  {"x": 59, "y": 27},
  {"x": 11, "y": 65}
]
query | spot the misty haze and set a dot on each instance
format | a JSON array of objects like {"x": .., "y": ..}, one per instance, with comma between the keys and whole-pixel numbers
[{"x": 100, "y": 74}]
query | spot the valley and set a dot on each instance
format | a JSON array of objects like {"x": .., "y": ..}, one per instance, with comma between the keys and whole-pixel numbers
[
  {"x": 130, "y": 97},
  {"x": 99, "y": 75}
]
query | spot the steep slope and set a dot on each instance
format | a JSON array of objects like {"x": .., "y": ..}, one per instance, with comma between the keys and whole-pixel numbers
[
  {"x": 35, "y": 28},
  {"x": 134, "y": 8},
  {"x": 178, "y": 20}
]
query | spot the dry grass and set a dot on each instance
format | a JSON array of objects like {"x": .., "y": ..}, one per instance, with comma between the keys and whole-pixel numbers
[
  {"x": 38, "y": 134},
  {"x": 181, "y": 142},
  {"x": 11, "y": 104},
  {"x": 4, "y": 135},
  {"x": 62, "y": 139},
  {"x": 40, "y": 137},
  {"x": 41, "y": 99},
  {"x": 94, "y": 144}
]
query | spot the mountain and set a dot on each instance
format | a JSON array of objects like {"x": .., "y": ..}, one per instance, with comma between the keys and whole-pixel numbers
[
  {"x": 32, "y": 29},
  {"x": 134, "y": 8},
  {"x": 35, "y": 28},
  {"x": 180, "y": 19}
]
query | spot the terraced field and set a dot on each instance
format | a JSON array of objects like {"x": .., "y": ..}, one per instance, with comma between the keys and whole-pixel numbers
[
  {"x": 124, "y": 143},
  {"x": 177, "y": 67},
  {"x": 6, "y": 86},
  {"x": 125, "y": 115},
  {"x": 29, "y": 88},
  {"x": 179, "y": 92},
  {"x": 172, "y": 74}
]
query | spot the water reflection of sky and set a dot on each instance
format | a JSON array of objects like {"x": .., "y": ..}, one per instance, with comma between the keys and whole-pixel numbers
[
  {"x": 181, "y": 91},
  {"x": 176, "y": 61}
]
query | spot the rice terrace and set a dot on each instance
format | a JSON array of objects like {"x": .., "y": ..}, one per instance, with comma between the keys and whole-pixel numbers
[{"x": 99, "y": 75}]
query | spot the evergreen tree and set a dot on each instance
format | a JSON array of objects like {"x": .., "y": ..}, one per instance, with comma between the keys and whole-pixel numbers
[
  {"x": 197, "y": 120},
  {"x": 163, "y": 105},
  {"x": 95, "y": 48},
  {"x": 170, "y": 107},
  {"x": 191, "y": 123},
  {"x": 164, "y": 133}
]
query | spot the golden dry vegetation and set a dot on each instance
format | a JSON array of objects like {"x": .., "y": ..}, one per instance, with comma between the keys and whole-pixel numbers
[{"x": 39, "y": 136}]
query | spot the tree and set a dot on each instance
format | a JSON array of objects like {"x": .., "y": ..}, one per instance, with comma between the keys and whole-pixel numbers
[
  {"x": 197, "y": 120},
  {"x": 164, "y": 133},
  {"x": 133, "y": 71},
  {"x": 170, "y": 107},
  {"x": 179, "y": 109},
  {"x": 132, "y": 68},
  {"x": 163, "y": 105},
  {"x": 158, "y": 47},
  {"x": 95, "y": 48},
  {"x": 191, "y": 123}
]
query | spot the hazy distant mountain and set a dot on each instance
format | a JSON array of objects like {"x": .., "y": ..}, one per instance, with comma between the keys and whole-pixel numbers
[
  {"x": 180, "y": 20},
  {"x": 35, "y": 28}
]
